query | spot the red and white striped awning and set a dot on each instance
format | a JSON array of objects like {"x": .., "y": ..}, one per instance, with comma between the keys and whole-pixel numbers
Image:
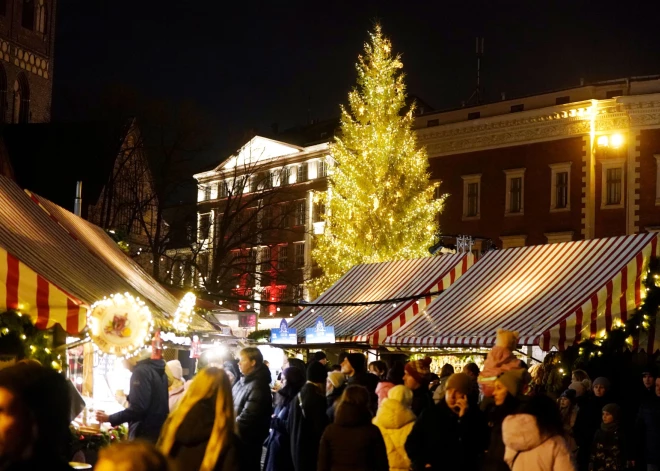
[
  {"x": 381, "y": 281},
  {"x": 25, "y": 291},
  {"x": 553, "y": 295}
]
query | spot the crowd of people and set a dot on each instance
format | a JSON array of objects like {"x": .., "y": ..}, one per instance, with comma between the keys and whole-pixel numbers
[{"x": 351, "y": 416}]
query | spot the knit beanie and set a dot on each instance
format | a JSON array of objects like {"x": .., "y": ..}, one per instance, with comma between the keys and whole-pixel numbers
[
  {"x": 512, "y": 380},
  {"x": 602, "y": 381},
  {"x": 419, "y": 369},
  {"x": 318, "y": 356},
  {"x": 578, "y": 387},
  {"x": 569, "y": 394},
  {"x": 316, "y": 373},
  {"x": 358, "y": 362},
  {"x": 460, "y": 382},
  {"x": 402, "y": 394},
  {"x": 337, "y": 379},
  {"x": 613, "y": 409}
]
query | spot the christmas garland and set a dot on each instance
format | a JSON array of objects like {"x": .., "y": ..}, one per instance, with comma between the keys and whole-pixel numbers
[
  {"x": 96, "y": 441},
  {"x": 622, "y": 336},
  {"x": 20, "y": 338}
]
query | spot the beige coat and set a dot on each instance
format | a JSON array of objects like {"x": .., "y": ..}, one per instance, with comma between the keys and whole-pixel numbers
[{"x": 527, "y": 450}]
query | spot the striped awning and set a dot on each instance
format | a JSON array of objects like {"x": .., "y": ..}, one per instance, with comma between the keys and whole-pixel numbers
[
  {"x": 381, "y": 281},
  {"x": 79, "y": 266},
  {"x": 25, "y": 291},
  {"x": 554, "y": 295}
]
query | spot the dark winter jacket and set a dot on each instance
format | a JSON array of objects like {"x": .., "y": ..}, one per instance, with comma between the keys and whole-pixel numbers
[
  {"x": 587, "y": 422},
  {"x": 445, "y": 441},
  {"x": 648, "y": 431},
  {"x": 278, "y": 454},
  {"x": 494, "y": 459},
  {"x": 253, "y": 406},
  {"x": 608, "y": 451},
  {"x": 352, "y": 443},
  {"x": 148, "y": 401},
  {"x": 193, "y": 436},
  {"x": 370, "y": 382},
  {"x": 422, "y": 400},
  {"x": 307, "y": 421},
  {"x": 334, "y": 395}
]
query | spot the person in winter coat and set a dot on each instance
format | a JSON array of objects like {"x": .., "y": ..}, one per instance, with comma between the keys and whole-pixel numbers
[
  {"x": 446, "y": 371},
  {"x": 505, "y": 402},
  {"x": 608, "y": 451},
  {"x": 568, "y": 410},
  {"x": 352, "y": 442},
  {"x": 252, "y": 404},
  {"x": 308, "y": 419},
  {"x": 415, "y": 378},
  {"x": 354, "y": 366},
  {"x": 278, "y": 453},
  {"x": 199, "y": 434},
  {"x": 393, "y": 378},
  {"x": 395, "y": 420},
  {"x": 648, "y": 430},
  {"x": 472, "y": 370},
  {"x": 148, "y": 401},
  {"x": 334, "y": 387},
  {"x": 589, "y": 418},
  {"x": 378, "y": 368},
  {"x": 533, "y": 438},
  {"x": 175, "y": 383},
  {"x": 450, "y": 435}
]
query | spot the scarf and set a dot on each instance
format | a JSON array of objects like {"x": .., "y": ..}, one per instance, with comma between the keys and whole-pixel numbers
[{"x": 613, "y": 427}]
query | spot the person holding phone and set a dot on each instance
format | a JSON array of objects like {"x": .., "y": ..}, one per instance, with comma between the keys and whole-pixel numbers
[{"x": 451, "y": 434}]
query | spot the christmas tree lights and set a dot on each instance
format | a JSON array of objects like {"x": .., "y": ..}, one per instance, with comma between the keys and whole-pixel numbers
[{"x": 380, "y": 205}]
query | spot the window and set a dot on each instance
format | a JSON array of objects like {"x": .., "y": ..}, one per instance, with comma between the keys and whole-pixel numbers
[
  {"x": 559, "y": 237},
  {"x": 302, "y": 172},
  {"x": 612, "y": 188},
  {"x": 27, "y": 18},
  {"x": 562, "y": 100},
  {"x": 474, "y": 115},
  {"x": 509, "y": 242},
  {"x": 515, "y": 192},
  {"x": 613, "y": 185},
  {"x": 222, "y": 189},
  {"x": 282, "y": 256},
  {"x": 41, "y": 16},
  {"x": 657, "y": 179},
  {"x": 21, "y": 111},
  {"x": 265, "y": 258},
  {"x": 432, "y": 122},
  {"x": 285, "y": 174},
  {"x": 299, "y": 248},
  {"x": 300, "y": 213},
  {"x": 254, "y": 183},
  {"x": 207, "y": 192},
  {"x": 3, "y": 7},
  {"x": 319, "y": 211},
  {"x": 322, "y": 168},
  {"x": 517, "y": 108},
  {"x": 471, "y": 196},
  {"x": 268, "y": 180},
  {"x": 613, "y": 93},
  {"x": 3, "y": 93},
  {"x": 204, "y": 226},
  {"x": 560, "y": 187}
]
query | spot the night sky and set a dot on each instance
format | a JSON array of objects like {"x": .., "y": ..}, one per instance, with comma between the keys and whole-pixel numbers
[{"x": 250, "y": 64}]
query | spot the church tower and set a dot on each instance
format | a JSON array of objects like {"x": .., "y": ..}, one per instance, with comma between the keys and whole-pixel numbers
[{"x": 27, "y": 33}]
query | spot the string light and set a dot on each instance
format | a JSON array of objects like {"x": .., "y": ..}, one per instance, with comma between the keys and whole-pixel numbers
[{"x": 183, "y": 314}]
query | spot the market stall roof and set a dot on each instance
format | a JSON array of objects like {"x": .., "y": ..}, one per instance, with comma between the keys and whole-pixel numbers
[
  {"x": 87, "y": 268},
  {"x": 553, "y": 295},
  {"x": 380, "y": 281}
]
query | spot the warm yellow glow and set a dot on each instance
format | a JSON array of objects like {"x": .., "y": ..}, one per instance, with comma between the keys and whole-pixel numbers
[
  {"x": 616, "y": 141},
  {"x": 182, "y": 316},
  {"x": 603, "y": 141}
]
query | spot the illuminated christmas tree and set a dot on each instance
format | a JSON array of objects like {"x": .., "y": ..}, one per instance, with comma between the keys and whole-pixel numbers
[{"x": 380, "y": 204}]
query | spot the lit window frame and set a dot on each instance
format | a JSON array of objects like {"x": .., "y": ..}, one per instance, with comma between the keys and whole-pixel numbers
[
  {"x": 510, "y": 175},
  {"x": 561, "y": 167},
  {"x": 605, "y": 166},
  {"x": 467, "y": 180}
]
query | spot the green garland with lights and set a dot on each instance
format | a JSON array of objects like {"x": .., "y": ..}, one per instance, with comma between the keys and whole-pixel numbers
[
  {"x": 95, "y": 441},
  {"x": 20, "y": 338},
  {"x": 621, "y": 337}
]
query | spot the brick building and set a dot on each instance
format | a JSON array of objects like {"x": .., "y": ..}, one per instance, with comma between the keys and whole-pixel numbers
[
  {"x": 566, "y": 165},
  {"x": 27, "y": 34}
]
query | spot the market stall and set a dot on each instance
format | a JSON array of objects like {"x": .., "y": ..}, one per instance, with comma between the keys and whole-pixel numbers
[
  {"x": 554, "y": 295},
  {"x": 351, "y": 305}
]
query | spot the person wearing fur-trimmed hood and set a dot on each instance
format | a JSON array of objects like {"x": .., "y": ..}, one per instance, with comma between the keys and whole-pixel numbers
[{"x": 395, "y": 420}]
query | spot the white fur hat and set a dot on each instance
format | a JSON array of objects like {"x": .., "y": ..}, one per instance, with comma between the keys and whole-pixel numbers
[
  {"x": 176, "y": 369},
  {"x": 402, "y": 394}
]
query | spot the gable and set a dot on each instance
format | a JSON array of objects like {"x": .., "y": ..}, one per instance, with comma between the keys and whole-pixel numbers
[{"x": 256, "y": 150}]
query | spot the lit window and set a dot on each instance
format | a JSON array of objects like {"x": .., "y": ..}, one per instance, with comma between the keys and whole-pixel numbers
[
  {"x": 207, "y": 192},
  {"x": 285, "y": 174},
  {"x": 512, "y": 241},
  {"x": 322, "y": 168},
  {"x": 612, "y": 184},
  {"x": 560, "y": 186},
  {"x": 222, "y": 189},
  {"x": 299, "y": 248},
  {"x": 302, "y": 172},
  {"x": 515, "y": 192},
  {"x": 282, "y": 256},
  {"x": 204, "y": 226},
  {"x": 300, "y": 213},
  {"x": 471, "y": 196}
]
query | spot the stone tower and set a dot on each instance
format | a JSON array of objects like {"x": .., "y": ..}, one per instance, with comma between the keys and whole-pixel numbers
[{"x": 27, "y": 33}]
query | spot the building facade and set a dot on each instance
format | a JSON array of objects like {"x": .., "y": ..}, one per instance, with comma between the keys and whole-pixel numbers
[
  {"x": 567, "y": 165},
  {"x": 27, "y": 39}
]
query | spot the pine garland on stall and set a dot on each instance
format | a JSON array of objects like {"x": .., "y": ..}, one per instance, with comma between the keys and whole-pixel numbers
[{"x": 20, "y": 337}]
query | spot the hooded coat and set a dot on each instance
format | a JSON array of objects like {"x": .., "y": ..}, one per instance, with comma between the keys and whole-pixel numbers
[
  {"x": 352, "y": 443},
  {"x": 306, "y": 423},
  {"x": 395, "y": 422},
  {"x": 587, "y": 422},
  {"x": 494, "y": 460},
  {"x": 193, "y": 436},
  {"x": 253, "y": 406},
  {"x": 648, "y": 431},
  {"x": 443, "y": 440},
  {"x": 278, "y": 453},
  {"x": 608, "y": 451},
  {"x": 526, "y": 449},
  {"x": 148, "y": 401}
]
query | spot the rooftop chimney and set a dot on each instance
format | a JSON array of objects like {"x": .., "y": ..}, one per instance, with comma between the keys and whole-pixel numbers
[
  {"x": 503, "y": 94},
  {"x": 77, "y": 204},
  {"x": 582, "y": 81}
]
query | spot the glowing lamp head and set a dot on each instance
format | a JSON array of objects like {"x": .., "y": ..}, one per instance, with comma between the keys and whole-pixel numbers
[
  {"x": 616, "y": 141},
  {"x": 603, "y": 141}
]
